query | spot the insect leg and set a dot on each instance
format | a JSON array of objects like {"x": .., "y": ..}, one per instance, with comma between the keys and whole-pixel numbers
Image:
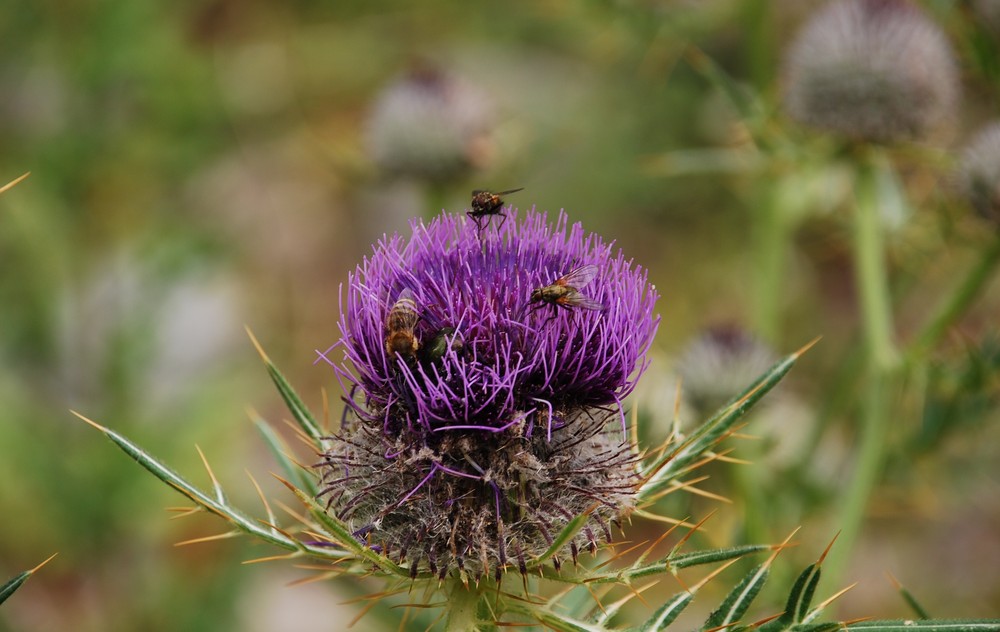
[{"x": 555, "y": 312}]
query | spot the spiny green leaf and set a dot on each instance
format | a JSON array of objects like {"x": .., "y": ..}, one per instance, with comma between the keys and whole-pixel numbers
[
  {"x": 696, "y": 558},
  {"x": 552, "y": 620},
  {"x": 576, "y": 602},
  {"x": 661, "y": 472},
  {"x": 236, "y": 517},
  {"x": 279, "y": 450},
  {"x": 667, "y": 613},
  {"x": 298, "y": 409},
  {"x": 12, "y": 585},
  {"x": 931, "y": 625},
  {"x": 339, "y": 532},
  {"x": 739, "y": 599},
  {"x": 560, "y": 623},
  {"x": 914, "y": 604},
  {"x": 14, "y": 182},
  {"x": 817, "y": 627},
  {"x": 15, "y": 582},
  {"x": 602, "y": 614},
  {"x": 668, "y": 564},
  {"x": 562, "y": 539},
  {"x": 18, "y": 580},
  {"x": 799, "y": 599}
]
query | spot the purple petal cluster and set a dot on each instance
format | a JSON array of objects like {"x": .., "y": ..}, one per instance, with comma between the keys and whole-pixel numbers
[
  {"x": 517, "y": 358},
  {"x": 506, "y": 422}
]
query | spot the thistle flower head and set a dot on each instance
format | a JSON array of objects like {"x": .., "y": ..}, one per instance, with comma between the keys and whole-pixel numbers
[
  {"x": 718, "y": 364},
  {"x": 980, "y": 172},
  {"x": 873, "y": 70},
  {"x": 504, "y": 422},
  {"x": 429, "y": 124}
]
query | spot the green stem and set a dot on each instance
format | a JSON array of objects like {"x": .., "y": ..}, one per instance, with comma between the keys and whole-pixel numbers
[
  {"x": 882, "y": 358},
  {"x": 770, "y": 235},
  {"x": 874, "y": 431},
  {"x": 760, "y": 42},
  {"x": 463, "y": 608},
  {"x": 770, "y": 232},
  {"x": 958, "y": 302},
  {"x": 870, "y": 272}
]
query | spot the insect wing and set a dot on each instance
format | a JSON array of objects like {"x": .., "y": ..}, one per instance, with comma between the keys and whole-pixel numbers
[
  {"x": 509, "y": 191},
  {"x": 403, "y": 313},
  {"x": 578, "y": 277},
  {"x": 406, "y": 294},
  {"x": 573, "y": 298}
]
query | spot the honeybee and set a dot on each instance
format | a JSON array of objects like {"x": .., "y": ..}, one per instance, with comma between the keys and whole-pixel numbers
[
  {"x": 401, "y": 340},
  {"x": 441, "y": 342},
  {"x": 486, "y": 204},
  {"x": 565, "y": 291}
]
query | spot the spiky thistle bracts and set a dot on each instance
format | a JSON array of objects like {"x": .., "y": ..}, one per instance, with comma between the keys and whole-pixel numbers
[{"x": 474, "y": 456}]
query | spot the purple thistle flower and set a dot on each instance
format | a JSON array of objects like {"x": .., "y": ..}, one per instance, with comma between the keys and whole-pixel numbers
[{"x": 506, "y": 422}]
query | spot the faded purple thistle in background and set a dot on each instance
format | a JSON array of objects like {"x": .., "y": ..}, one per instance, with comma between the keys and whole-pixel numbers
[
  {"x": 979, "y": 172},
  {"x": 507, "y": 423},
  {"x": 872, "y": 70}
]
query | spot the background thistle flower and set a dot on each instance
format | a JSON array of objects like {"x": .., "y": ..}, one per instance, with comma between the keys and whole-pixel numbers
[
  {"x": 479, "y": 454},
  {"x": 872, "y": 70},
  {"x": 980, "y": 172},
  {"x": 431, "y": 125},
  {"x": 718, "y": 364}
]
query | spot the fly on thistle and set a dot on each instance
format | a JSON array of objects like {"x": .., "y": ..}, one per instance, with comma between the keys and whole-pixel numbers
[
  {"x": 486, "y": 204},
  {"x": 401, "y": 340},
  {"x": 565, "y": 291}
]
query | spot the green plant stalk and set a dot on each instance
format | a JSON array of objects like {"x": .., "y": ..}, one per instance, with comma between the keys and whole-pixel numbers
[
  {"x": 771, "y": 233},
  {"x": 760, "y": 42},
  {"x": 463, "y": 608},
  {"x": 881, "y": 359},
  {"x": 956, "y": 305},
  {"x": 870, "y": 273}
]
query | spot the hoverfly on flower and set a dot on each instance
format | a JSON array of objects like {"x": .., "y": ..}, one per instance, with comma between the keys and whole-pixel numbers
[{"x": 565, "y": 291}]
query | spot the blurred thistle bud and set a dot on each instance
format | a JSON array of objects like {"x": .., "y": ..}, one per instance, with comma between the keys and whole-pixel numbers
[
  {"x": 720, "y": 363},
  {"x": 872, "y": 70},
  {"x": 979, "y": 172},
  {"x": 431, "y": 125},
  {"x": 480, "y": 424}
]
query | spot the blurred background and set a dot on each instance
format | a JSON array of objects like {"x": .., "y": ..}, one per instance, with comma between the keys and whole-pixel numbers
[{"x": 201, "y": 166}]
